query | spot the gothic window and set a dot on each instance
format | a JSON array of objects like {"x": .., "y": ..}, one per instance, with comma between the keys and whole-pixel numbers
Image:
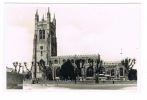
[
  {"x": 102, "y": 70},
  {"x": 50, "y": 63},
  {"x": 108, "y": 72},
  {"x": 41, "y": 53},
  {"x": 121, "y": 72},
  {"x": 112, "y": 72},
  {"x": 41, "y": 47},
  {"x": 40, "y": 34},
  {"x": 89, "y": 72},
  {"x": 43, "y": 34},
  {"x": 64, "y": 60},
  {"x": 58, "y": 72},
  {"x": 56, "y": 61}
]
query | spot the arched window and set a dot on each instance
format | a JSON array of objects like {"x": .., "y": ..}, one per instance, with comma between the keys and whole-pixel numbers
[
  {"x": 56, "y": 61},
  {"x": 43, "y": 34},
  {"x": 64, "y": 60},
  {"x": 102, "y": 70},
  {"x": 58, "y": 72},
  {"x": 112, "y": 72},
  {"x": 121, "y": 72},
  {"x": 108, "y": 72},
  {"x": 89, "y": 72},
  {"x": 41, "y": 53},
  {"x": 40, "y": 34}
]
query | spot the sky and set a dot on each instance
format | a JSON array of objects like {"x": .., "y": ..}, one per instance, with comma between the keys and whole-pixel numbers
[{"x": 81, "y": 29}]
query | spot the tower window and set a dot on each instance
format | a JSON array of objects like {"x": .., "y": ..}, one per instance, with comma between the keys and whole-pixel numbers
[
  {"x": 56, "y": 61},
  {"x": 43, "y": 34},
  {"x": 41, "y": 53},
  {"x": 41, "y": 47},
  {"x": 40, "y": 34}
]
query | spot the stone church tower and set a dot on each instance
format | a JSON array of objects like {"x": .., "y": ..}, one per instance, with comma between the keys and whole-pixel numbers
[
  {"x": 45, "y": 42},
  {"x": 45, "y": 53}
]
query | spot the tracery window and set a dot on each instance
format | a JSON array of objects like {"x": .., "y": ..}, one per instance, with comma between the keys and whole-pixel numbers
[{"x": 89, "y": 72}]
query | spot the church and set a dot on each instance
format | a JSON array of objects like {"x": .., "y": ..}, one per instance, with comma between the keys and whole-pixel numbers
[{"x": 45, "y": 51}]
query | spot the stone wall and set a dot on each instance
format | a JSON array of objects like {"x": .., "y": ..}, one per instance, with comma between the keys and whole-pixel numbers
[{"x": 14, "y": 80}]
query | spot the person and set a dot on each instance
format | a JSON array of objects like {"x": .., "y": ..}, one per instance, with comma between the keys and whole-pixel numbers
[{"x": 113, "y": 80}]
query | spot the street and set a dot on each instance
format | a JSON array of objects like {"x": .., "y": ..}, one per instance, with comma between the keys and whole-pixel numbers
[{"x": 79, "y": 86}]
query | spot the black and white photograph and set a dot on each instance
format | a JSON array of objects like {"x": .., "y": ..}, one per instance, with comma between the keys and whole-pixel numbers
[{"x": 55, "y": 47}]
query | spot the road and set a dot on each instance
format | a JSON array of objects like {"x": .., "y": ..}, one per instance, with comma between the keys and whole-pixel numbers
[{"x": 66, "y": 86}]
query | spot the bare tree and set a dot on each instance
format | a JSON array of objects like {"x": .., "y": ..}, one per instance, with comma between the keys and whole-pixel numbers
[
  {"x": 15, "y": 66},
  {"x": 44, "y": 69},
  {"x": 129, "y": 64},
  {"x": 19, "y": 67},
  {"x": 29, "y": 73},
  {"x": 98, "y": 66}
]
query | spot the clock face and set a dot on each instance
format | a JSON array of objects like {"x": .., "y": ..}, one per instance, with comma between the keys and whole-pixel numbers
[{"x": 41, "y": 47}]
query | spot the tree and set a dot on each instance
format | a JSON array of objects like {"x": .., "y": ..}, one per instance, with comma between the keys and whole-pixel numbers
[
  {"x": 67, "y": 71},
  {"x": 28, "y": 75},
  {"x": 78, "y": 71},
  {"x": 98, "y": 66},
  {"x": 19, "y": 67},
  {"x": 129, "y": 64},
  {"x": 15, "y": 66},
  {"x": 80, "y": 68},
  {"x": 132, "y": 74},
  {"x": 47, "y": 73}
]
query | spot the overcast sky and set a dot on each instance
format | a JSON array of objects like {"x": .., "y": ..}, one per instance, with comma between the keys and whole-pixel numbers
[{"x": 81, "y": 29}]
